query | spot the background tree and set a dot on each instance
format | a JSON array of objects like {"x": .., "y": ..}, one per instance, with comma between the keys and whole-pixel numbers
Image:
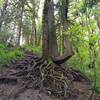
[{"x": 3, "y": 12}]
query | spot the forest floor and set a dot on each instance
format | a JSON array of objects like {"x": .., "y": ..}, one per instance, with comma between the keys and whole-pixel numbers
[{"x": 24, "y": 80}]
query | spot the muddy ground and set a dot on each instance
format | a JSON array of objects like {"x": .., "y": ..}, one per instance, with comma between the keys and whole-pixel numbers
[{"x": 16, "y": 83}]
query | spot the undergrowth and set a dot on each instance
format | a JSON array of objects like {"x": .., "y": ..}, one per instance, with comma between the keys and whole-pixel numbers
[
  {"x": 7, "y": 54},
  {"x": 34, "y": 49},
  {"x": 92, "y": 73}
]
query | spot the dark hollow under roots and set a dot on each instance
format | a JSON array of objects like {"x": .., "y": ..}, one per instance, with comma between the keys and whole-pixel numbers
[{"x": 33, "y": 71}]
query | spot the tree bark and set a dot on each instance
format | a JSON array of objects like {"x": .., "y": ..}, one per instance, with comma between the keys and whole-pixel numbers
[
  {"x": 33, "y": 39},
  {"x": 66, "y": 44},
  {"x": 3, "y": 12},
  {"x": 20, "y": 21},
  {"x": 68, "y": 53},
  {"x": 49, "y": 32},
  {"x": 50, "y": 48}
]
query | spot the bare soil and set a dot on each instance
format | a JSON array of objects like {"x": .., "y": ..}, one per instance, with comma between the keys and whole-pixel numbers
[{"x": 22, "y": 81}]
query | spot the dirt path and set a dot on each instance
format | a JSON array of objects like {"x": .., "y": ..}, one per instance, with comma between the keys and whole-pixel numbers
[
  {"x": 7, "y": 92},
  {"x": 22, "y": 81}
]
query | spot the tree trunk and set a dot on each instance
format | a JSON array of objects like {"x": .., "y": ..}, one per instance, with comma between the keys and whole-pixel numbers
[
  {"x": 33, "y": 39},
  {"x": 3, "y": 12},
  {"x": 49, "y": 33},
  {"x": 64, "y": 18},
  {"x": 39, "y": 40},
  {"x": 20, "y": 22},
  {"x": 27, "y": 39},
  {"x": 66, "y": 45},
  {"x": 68, "y": 53}
]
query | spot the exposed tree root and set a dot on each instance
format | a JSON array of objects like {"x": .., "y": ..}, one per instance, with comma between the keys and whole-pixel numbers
[{"x": 34, "y": 72}]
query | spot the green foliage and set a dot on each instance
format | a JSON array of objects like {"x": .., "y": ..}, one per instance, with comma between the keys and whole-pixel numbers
[
  {"x": 1, "y": 2},
  {"x": 4, "y": 36},
  {"x": 8, "y": 54},
  {"x": 85, "y": 37},
  {"x": 36, "y": 49}
]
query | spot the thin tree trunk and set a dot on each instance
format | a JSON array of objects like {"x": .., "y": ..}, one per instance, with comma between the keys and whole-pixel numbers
[
  {"x": 27, "y": 39},
  {"x": 3, "y": 12},
  {"x": 20, "y": 23},
  {"x": 39, "y": 40},
  {"x": 64, "y": 18},
  {"x": 33, "y": 39}
]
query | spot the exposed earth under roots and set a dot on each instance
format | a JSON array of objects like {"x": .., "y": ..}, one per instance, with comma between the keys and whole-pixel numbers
[{"x": 33, "y": 78}]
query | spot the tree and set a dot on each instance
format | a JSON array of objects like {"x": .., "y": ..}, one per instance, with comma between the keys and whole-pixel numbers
[
  {"x": 68, "y": 51},
  {"x": 50, "y": 48},
  {"x": 20, "y": 23},
  {"x": 3, "y": 12},
  {"x": 49, "y": 33}
]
